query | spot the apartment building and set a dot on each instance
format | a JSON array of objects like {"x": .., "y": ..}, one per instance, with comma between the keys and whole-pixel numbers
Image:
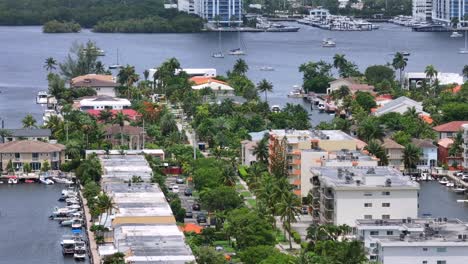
[
  {"x": 224, "y": 12},
  {"x": 443, "y": 11},
  {"x": 342, "y": 195},
  {"x": 409, "y": 241},
  {"x": 422, "y": 9}
]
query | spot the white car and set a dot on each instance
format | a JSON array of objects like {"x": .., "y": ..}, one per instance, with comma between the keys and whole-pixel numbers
[{"x": 175, "y": 189}]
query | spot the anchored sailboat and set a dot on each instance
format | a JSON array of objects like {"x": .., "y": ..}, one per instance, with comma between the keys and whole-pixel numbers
[
  {"x": 219, "y": 54},
  {"x": 239, "y": 50},
  {"x": 117, "y": 65}
]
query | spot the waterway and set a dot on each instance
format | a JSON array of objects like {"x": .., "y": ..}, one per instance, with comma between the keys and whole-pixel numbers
[
  {"x": 23, "y": 51},
  {"x": 26, "y": 233},
  {"x": 436, "y": 200}
]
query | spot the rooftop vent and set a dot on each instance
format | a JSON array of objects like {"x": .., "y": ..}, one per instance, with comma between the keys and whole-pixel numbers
[
  {"x": 388, "y": 182},
  {"x": 370, "y": 171},
  {"x": 348, "y": 179}
]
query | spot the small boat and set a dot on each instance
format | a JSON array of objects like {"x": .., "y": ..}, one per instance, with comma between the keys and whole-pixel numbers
[
  {"x": 79, "y": 250},
  {"x": 321, "y": 107},
  {"x": 77, "y": 224},
  {"x": 405, "y": 53},
  {"x": 46, "y": 181},
  {"x": 12, "y": 181},
  {"x": 68, "y": 222},
  {"x": 463, "y": 51},
  {"x": 41, "y": 97},
  {"x": 237, "y": 52},
  {"x": 62, "y": 180},
  {"x": 450, "y": 184},
  {"x": 443, "y": 181},
  {"x": 115, "y": 67},
  {"x": 267, "y": 68},
  {"x": 459, "y": 189},
  {"x": 73, "y": 206},
  {"x": 275, "y": 108},
  {"x": 328, "y": 43},
  {"x": 68, "y": 246},
  {"x": 455, "y": 34},
  {"x": 218, "y": 55},
  {"x": 29, "y": 181},
  {"x": 296, "y": 92}
]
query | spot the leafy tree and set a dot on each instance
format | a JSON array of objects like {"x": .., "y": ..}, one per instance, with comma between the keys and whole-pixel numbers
[
  {"x": 265, "y": 87},
  {"x": 316, "y": 76},
  {"x": 430, "y": 72},
  {"x": 399, "y": 63},
  {"x": 29, "y": 122},
  {"x": 254, "y": 255},
  {"x": 4, "y": 133},
  {"x": 249, "y": 229},
  {"x": 341, "y": 93},
  {"x": 221, "y": 198},
  {"x": 378, "y": 151},
  {"x": 116, "y": 258},
  {"x": 240, "y": 67},
  {"x": 168, "y": 124},
  {"x": 370, "y": 129},
  {"x": 454, "y": 111},
  {"x": 365, "y": 100},
  {"x": 27, "y": 168},
  {"x": 10, "y": 168},
  {"x": 456, "y": 148},
  {"x": 81, "y": 60},
  {"x": 55, "y": 26},
  {"x": 278, "y": 257},
  {"x": 89, "y": 170},
  {"x": 45, "y": 166},
  {"x": 120, "y": 118},
  {"x": 105, "y": 115},
  {"x": 411, "y": 156},
  {"x": 376, "y": 74},
  {"x": 206, "y": 173},
  {"x": 207, "y": 255}
]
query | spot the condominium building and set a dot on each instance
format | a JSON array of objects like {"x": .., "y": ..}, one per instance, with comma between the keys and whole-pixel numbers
[
  {"x": 422, "y": 9},
  {"x": 443, "y": 11},
  {"x": 188, "y": 6},
  {"x": 465, "y": 145},
  {"x": 342, "y": 195},
  {"x": 224, "y": 12},
  {"x": 409, "y": 241}
]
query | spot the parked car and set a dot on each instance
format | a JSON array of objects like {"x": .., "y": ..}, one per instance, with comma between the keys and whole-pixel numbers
[
  {"x": 196, "y": 207},
  {"x": 188, "y": 214},
  {"x": 180, "y": 180},
  {"x": 175, "y": 189},
  {"x": 219, "y": 248},
  {"x": 201, "y": 218},
  {"x": 304, "y": 210},
  {"x": 188, "y": 192}
]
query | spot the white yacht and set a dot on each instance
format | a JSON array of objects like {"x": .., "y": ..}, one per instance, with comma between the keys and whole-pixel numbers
[
  {"x": 450, "y": 184},
  {"x": 46, "y": 181},
  {"x": 443, "y": 181},
  {"x": 455, "y": 34},
  {"x": 218, "y": 55},
  {"x": 459, "y": 189},
  {"x": 236, "y": 52},
  {"x": 41, "y": 97},
  {"x": 79, "y": 250},
  {"x": 13, "y": 180},
  {"x": 276, "y": 108},
  {"x": 296, "y": 92},
  {"x": 328, "y": 43},
  {"x": 321, "y": 106}
]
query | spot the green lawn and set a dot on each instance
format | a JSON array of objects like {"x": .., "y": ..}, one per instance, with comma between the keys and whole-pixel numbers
[
  {"x": 246, "y": 194},
  {"x": 252, "y": 202}
]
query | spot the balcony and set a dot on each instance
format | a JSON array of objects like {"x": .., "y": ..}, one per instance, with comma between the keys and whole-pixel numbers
[{"x": 295, "y": 172}]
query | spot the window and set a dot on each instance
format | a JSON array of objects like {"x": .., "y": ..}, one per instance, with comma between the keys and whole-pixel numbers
[
  {"x": 372, "y": 245},
  {"x": 368, "y": 205},
  {"x": 441, "y": 262},
  {"x": 449, "y": 134},
  {"x": 374, "y": 233},
  {"x": 389, "y": 233},
  {"x": 442, "y": 249},
  {"x": 17, "y": 155},
  {"x": 385, "y": 193},
  {"x": 424, "y": 249},
  {"x": 385, "y": 204},
  {"x": 367, "y": 194},
  {"x": 385, "y": 216},
  {"x": 367, "y": 216}
]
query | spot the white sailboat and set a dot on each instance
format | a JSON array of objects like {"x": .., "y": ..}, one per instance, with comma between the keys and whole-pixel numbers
[
  {"x": 238, "y": 51},
  {"x": 117, "y": 65},
  {"x": 219, "y": 54},
  {"x": 465, "y": 49}
]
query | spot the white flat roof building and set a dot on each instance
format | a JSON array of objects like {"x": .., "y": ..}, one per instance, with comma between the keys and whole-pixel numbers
[
  {"x": 415, "y": 79},
  {"x": 408, "y": 241},
  {"x": 342, "y": 195},
  {"x": 192, "y": 72},
  {"x": 103, "y": 102}
]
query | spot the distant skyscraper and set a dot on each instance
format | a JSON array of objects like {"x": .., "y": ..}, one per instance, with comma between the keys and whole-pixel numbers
[
  {"x": 422, "y": 9},
  {"x": 222, "y": 11},
  {"x": 444, "y": 11}
]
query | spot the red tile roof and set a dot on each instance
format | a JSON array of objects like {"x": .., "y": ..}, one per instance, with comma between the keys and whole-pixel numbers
[
  {"x": 453, "y": 126},
  {"x": 445, "y": 142},
  {"x": 132, "y": 114},
  {"x": 198, "y": 80},
  {"x": 94, "y": 80}
]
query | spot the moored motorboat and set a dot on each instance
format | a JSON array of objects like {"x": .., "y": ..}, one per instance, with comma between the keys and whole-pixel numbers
[
  {"x": 450, "y": 184},
  {"x": 296, "y": 92},
  {"x": 275, "y": 108},
  {"x": 321, "y": 107},
  {"x": 328, "y": 43},
  {"x": 455, "y": 34},
  {"x": 443, "y": 181},
  {"x": 41, "y": 97},
  {"x": 46, "y": 181},
  {"x": 79, "y": 250},
  {"x": 237, "y": 52},
  {"x": 13, "y": 180},
  {"x": 459, "y": 189}
]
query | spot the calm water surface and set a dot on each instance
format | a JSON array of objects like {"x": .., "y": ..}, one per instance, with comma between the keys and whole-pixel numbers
[
  {"x": 24, "y": 49},
  {"x": 27, "y": 236}
]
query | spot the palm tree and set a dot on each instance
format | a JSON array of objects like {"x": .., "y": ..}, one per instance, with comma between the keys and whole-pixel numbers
[
  {"x": 120, "y": 119},
  {"x": 370, "y": 129},
  {"x": 340, "y": 63},
  {"x": 261, "y": 150},
  {"x": 105, "y": 115},
  {"x": 341, "y": 93},
  {"x": 240, "y": 67},
  {"x": 146, "y": 74},
  {"x": 99, "y": 68},
  {"x": 456, "y": 148},
  {"x": 411, "y": 156},
  {"x": 378, "y": 151},
  {"x": 105, "y": 205},
  {"x": 430, "y": 72},
  {"x": 265, "y": 86},
  {"x": 127, "y": 76},
  {"x": 266, "y": 196},
  {"x": 50, "y": 64},
  {"x": 465, "y": 71},
  {"x": 411, "y": 112},
  {"x": 73, "y": 149},
  {"x": 399, "y": 63},
  {"x": 4, "y": 133},
  {"x": 288, "y": 209},
  {"x": 29, "y": 122}
]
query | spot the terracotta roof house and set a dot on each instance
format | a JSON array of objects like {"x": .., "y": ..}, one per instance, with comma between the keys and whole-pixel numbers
[
  {"x": 443, "y": 148},
  {"x": 33, "y": 152},
  {"x": 394, "y": 153},
  {"x": 353, "y": 84},
  {"x": 450, "y": 129},
  {"x": 132, "y": 136},
  {"x": 217, "y": 86},
  {"x": 103, "y": 84},
  {"x": 130, "y": 113}
]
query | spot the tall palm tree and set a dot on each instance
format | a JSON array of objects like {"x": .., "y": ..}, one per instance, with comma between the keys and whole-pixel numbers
[
  {"x": 265, "y": 86},
  {"x": 465, "y": 71},
  {"x": 341, "y": 93},
  {"x": 4, "y": 133},
  {"x": 146, "y": 74},
  {"x": 120, "y": 119},
  {"x": 266, "y": 196},
  {"x": 378, "y": 151},
  {"x": 127, "y": 76},
  {"x": 50, "y": 64},
  {"x": 399, "y": 63},
  {"x": 240, "y": 67},
  {"x": 261, "y": 150},
  {"x": 411, "y": 156},
  {"x": 412, "y": 112},
  {"x": 431, "y": 72},
  {"x": 370, "y": 129},
  {"x": 340, "y": 63},
  {"x": 288, "y": 209},
  {"x": 29, "y": 122},
  {"x": 105, "y": 205},
  {"x": 99, "y": 68}
]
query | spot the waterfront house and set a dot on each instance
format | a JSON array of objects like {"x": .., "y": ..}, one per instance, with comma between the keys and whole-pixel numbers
[
  {"x": 101, "y": 102},
  {"x": 342, "y": 195},
  {"x": 450, "y": 129},
  {"x": 394, "y": 153},
  {"x": 443, "y": 149},
  {"x": 428, "y": 157},
  {"x": 400, "y": 105},
  {"x": 33, "y": 152},
  {"x": 102, "y": 84},
  {"x": 413, "y": 80},
  {"x": 216, "y": 86},
  {"x": 132, "y": 136},
  {"x": 353, "y": 84},
  {"x": 129, "y": 113},
  {"x": 409, "y": 240},
  {"x": 27, "y": 134}
]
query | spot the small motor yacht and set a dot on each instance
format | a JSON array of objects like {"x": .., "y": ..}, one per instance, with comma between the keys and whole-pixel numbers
[
  {"x": 237, "y": 52},
  {"x": 267, "y": 68},
  {"x": 328, "y": 43},
  {"x": 79, "y": 250},
  {"x": 450, "y": 184},
  {"x": 41, "y": 97},
  {"x": 77, "y": 224},
  {"x": 218, "y": 55},
  {"x": 321, "y": 107},
  {"x": 456, "y": 34},
  {"x": 13, "y": 180},
  {"x": 443, "y": 181},
  {"x": 275, "y": 108}
]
